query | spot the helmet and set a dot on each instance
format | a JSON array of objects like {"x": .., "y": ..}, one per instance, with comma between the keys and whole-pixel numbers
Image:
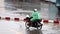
[
  {"x": 35, "y": 9},
  {"x": 27, "y": 15}
]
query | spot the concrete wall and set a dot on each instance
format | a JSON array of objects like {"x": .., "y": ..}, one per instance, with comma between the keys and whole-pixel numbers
[{"x": 2, "y": 6}]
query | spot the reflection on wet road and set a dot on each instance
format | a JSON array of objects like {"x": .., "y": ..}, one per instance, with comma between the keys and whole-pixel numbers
[
  {"x": 34, "y": 32},
  {"x": 13, "y": 27}
]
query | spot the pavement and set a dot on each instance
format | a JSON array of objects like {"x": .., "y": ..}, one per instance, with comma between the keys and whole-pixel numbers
[{"x": 13, "y": 27}]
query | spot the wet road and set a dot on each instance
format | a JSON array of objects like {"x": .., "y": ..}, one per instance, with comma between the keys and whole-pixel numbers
[{"x": 14, "y": 27}]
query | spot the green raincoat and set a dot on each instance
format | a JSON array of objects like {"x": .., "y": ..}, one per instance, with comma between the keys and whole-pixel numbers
[{"x": 35, "y": 16}]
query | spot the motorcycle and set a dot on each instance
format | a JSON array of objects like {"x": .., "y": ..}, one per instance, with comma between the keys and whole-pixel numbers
[{"x": 29, "y": 23}]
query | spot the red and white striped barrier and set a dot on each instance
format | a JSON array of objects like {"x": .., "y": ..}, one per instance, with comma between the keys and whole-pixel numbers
[
  {"x": 51, "y": 21},
  {"x": 9, "y": 18},
  {"x": 0, "y": 17},
  {"x": 54, "y": 21},
  {"x": 19, "y": 19}
]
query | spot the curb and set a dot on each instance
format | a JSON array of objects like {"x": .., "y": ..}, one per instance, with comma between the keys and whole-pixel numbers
[
  {"x": 56, "y": 21},
  {"x": 20, "y": 19},
  {"x": 9, "y": 18}
]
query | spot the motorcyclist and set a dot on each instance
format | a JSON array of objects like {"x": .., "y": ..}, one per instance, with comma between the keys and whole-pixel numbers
[{"x": 35, "y": 17}]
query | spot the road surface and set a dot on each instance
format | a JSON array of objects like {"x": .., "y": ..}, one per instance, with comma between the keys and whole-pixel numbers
[{"x": 14, "y": 27}]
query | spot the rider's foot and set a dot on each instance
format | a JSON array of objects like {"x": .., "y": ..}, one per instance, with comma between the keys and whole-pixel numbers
[{"x": 28, "y": 29}]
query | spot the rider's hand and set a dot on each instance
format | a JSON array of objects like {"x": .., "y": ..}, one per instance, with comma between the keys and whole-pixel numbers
[{"x": 31, "y": 17}]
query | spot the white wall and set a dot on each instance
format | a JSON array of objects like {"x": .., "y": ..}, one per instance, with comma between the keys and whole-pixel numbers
[{"x": 2, "y": 6}]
